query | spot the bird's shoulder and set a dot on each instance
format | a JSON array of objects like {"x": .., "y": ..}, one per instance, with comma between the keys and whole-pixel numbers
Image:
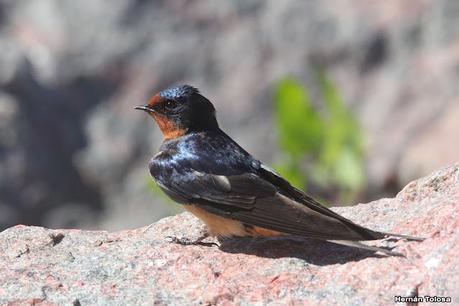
[
  {"x": 212, "y": 155},
  {"x": 210, "y": 152}
]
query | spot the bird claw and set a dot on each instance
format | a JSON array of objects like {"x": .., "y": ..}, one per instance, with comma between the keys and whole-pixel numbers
[
  {"x": 182, "y": 241},
  {"x": 186, "y": 241}
]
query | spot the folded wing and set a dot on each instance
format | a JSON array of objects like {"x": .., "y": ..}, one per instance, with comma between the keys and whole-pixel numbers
[{"x": 266, "y": 200}]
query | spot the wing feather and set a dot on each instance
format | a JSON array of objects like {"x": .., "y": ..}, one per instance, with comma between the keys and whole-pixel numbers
[
  {"x": 267, "y": 202},
  {"x": 239, "y": 191}
]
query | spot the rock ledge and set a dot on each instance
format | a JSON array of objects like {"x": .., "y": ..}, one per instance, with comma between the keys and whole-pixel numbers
[{"x": 43, "y": 266}]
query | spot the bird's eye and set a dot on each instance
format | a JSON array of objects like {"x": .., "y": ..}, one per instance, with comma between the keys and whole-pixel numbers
[{"x": 170, "y": 104}]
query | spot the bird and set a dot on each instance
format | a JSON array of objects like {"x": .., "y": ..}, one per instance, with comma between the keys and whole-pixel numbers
[{"x": 236, "y": 195}]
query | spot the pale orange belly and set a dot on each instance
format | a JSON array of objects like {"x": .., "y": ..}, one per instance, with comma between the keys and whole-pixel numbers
[{"x": 224, "y": 227}]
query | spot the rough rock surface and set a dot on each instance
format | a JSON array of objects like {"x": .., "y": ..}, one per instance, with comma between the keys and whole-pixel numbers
[
  {"x": 72, "y": 149},
  {"x": 42, "y": 266}
]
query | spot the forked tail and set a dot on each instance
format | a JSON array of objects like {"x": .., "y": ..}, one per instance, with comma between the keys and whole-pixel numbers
[
  {"x": 385, "y": 251},
  {"x": 357, "y": 244},
  {"x": 407, "y": 237}
]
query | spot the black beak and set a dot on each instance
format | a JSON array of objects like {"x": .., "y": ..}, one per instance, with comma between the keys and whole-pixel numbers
[{"x": 145, "y": 108}]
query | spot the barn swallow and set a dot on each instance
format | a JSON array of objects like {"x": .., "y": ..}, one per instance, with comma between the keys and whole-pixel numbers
[{"x": 233, "y": 193}]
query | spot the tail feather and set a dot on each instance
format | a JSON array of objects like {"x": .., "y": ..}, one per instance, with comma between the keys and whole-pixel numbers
[
  {"x": 357, "y": 244},
  {"x": 407, "y": 237}
]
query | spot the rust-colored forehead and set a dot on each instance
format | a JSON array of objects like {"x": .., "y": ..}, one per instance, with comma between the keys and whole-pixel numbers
[{"x": 154, "y": 100}]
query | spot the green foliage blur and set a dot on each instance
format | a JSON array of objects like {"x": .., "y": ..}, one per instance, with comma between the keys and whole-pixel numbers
[
  {"x": 322, "y": 147},
  {"x": 157, "y": 192}
]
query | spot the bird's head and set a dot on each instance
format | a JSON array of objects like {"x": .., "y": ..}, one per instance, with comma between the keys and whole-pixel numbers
[{"x": 181, "y": 110}]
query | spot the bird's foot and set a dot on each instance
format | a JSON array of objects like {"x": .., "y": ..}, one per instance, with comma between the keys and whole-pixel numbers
[{"x": 186, "y": 241}]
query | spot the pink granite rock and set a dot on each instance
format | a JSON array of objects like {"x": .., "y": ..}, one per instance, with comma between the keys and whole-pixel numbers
[{"x": 48, "y": 267}]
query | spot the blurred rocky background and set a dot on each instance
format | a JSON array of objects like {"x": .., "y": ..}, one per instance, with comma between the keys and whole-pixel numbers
[{"x": 74, "y": 153}]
